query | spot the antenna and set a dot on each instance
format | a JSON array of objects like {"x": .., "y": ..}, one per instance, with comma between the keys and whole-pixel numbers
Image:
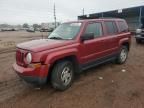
[{"x": 55, "y": 15}]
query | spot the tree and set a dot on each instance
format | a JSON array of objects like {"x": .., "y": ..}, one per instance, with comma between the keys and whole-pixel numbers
[
  {"x": 35, "y": 26},
  {"x": 25, "y": 25}
]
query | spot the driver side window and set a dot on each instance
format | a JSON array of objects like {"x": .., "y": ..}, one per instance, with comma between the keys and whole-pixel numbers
[{"x": 95, "y": 28}]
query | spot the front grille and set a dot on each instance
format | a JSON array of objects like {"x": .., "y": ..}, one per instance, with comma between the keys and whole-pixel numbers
[{"x": 20, "y": 58}]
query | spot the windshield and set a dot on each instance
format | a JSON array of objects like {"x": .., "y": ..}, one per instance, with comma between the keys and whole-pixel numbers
[{"x": 65, "y": 31}]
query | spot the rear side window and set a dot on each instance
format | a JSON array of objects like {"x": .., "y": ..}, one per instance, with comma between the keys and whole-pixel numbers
[
  {"x": 111, "y": 27},
  {"x": 95, "y": 28},
  {"x": 122, "y": 26}
]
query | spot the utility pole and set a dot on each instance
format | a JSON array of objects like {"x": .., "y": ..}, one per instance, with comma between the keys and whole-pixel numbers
[
  {"x": 55, "y": 15},
  {"x": 140, "y": 15},
  {"x": 83, "y": 11}
]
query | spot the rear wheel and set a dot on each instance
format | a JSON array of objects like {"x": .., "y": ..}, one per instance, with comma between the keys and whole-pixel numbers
[
  {"x": 138, "y": 41},
  {"x": 122, "y": 57},
  {"x": 62, "y": 75}
]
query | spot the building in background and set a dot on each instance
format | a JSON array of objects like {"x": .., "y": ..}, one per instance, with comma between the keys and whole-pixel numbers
[{"x": 134, "y": 16}]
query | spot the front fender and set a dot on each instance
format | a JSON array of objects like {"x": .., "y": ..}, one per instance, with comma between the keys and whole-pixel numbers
[{"x": 52, "y": 57}]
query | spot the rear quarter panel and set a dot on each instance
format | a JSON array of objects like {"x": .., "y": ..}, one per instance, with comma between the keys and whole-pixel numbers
[{"x": 123, "y": 37}]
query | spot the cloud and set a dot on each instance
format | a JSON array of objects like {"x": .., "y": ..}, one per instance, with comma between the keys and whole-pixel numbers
[{"x": 37, "y": 11}]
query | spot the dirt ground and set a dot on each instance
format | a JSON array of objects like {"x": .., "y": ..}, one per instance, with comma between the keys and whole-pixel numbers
[{"x": 121, "y": 86}]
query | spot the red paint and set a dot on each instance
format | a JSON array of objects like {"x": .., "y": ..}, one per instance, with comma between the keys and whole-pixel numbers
[{"x": 47, "y": 51}]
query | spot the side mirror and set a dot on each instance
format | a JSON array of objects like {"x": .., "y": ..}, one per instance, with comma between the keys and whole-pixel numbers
[{"x": 87, "y": 36}]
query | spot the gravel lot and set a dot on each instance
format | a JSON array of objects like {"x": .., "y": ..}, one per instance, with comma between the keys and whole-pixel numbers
[{"x": 106, "y": 86}]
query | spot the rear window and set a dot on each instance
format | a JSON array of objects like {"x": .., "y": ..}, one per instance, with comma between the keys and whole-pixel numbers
[
  {"x": 122, "y": 26},
  {"x": 111, "y": 27}
]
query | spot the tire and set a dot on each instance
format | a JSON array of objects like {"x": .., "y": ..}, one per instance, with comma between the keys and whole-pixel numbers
[
  {"x": 62, "y": 75},
  {"x": 122, "y": 57},
  {"x": 138, "y": 41}
]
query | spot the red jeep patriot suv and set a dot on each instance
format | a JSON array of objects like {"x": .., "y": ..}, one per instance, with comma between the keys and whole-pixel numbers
[{"x": 72, "y": 48}]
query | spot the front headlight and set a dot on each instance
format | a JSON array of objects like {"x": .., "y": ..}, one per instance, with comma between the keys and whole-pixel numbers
[
  {"x": 138, "y": 30},
  {"x": 28, "y": 58}
]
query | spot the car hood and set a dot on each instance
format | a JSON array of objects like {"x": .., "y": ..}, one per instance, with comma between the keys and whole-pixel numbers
[{"x": 43, "y": 44}]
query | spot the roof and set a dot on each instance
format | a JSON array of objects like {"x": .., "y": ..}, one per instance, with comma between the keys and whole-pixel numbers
[
  {"x": 127, "y": 12},
  {"x": 98, "y": 19}
]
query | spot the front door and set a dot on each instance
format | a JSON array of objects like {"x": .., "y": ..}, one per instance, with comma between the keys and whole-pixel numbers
[{"x": 93, "y": 49}]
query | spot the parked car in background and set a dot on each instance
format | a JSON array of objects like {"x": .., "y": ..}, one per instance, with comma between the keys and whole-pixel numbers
[
  {"x": 72, "y": 48},
  {"x": 8, "y": 29},
  {"x": 31, "y": 29},
  {"x": 140, "y": 34},
  {"x": 46, "y": 30}
]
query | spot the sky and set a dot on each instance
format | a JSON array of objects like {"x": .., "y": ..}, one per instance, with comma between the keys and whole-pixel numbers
[{"x": 38, "y": 11}]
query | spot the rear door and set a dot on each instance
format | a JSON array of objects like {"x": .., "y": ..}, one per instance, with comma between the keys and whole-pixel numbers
[{"x": 111, "y": 39}]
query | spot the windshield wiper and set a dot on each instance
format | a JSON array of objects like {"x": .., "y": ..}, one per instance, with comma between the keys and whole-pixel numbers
[{"x": 59, "y": 38}]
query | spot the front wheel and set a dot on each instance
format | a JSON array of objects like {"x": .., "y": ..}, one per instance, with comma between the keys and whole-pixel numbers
[
  {"x": 62, "y": 75},
  {"x": 122, "y": 57}
]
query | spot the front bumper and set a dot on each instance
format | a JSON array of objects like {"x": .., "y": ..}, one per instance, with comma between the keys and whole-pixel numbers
[
  {"x": 139, "y": 37},
  {"x": 34, "y": 80},
  {"x": 35, "y": 75}
]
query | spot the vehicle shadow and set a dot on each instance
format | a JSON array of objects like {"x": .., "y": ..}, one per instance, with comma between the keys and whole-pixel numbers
[{"x": 95, "y": 69}]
